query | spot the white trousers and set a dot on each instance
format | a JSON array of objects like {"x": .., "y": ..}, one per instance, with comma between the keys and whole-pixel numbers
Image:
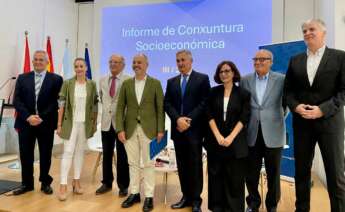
[
  {"x": 138, "y": 150},
  {"x": 73, "y": 149}
]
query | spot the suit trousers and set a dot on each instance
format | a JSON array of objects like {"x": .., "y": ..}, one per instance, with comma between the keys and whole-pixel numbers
[
  {"x": 27, "y": 139},
  {"x": 189, "y": 163},
  {"x": 332, "y": 151},
  {"x": 73, "y": 149},
  {"x": 109, "y": 140},
  {"x": 272, "y": 158},
  {"x": 226, "y": 179},
  {"x": 138, "y": 150}
]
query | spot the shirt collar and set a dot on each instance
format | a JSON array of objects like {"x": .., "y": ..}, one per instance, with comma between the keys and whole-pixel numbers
[
  {"x": 188, "y": 73},
  {"x": 319, "y": 52},
  {"x": 265, "y": 77},
  {"x": 118, "y": 76},
  {"x": 43, "y": 73},
  {"x": 143, "y": 80}
]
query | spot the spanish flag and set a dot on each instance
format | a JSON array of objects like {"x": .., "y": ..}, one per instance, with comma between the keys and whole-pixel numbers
[
  {"x": 50, "y": 66},
  {"x": 27, "y": 61}
]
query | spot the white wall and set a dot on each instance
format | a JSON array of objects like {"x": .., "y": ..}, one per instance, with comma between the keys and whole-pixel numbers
[{"x": 41, "y": 18}]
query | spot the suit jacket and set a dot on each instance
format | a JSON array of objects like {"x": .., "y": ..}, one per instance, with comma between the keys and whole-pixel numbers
[
  {"x": 67, "y": 95},
  {"x": 194, "y": 100},
  {"x": 327, "y": 90},
  {"x": 270, "y": 114},
  {"x": 109, "y": 103},
  {"x": 238, "y": 109},
  {"x": 149, "y": 111},
  {"x": 47, "y": 104}
]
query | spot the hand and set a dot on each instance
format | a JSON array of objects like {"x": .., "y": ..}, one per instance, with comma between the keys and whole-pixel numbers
[
  {"x": 312, "y": 112},
  {"x": 58, "y": 130},
  {"x": 122, "y": 136},
  {"x": 220, "y": 140},
  {"x": 160, "y": 135},
  {"x": 301, "y": 109},
  {"x": 34, "y": 120},
  {"x": 183, "y": 123},
  {"x": 228, "y": 141}
]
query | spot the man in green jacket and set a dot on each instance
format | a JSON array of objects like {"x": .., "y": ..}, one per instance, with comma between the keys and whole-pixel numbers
[{"x": 139, "y": 119}]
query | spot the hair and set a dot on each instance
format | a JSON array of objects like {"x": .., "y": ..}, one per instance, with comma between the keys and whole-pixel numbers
[
  {"x": 268, "y": 52},
  {"x": 120, "y": 56},
  {"x": 142, "y": 55},
  {"x": 237, "y": 75},
  {"x": 42, "y": 52},
  {"x": 318, "y": 21},
  {"x": 185, "y": 51},
  {"x": 80, "y": 59}
]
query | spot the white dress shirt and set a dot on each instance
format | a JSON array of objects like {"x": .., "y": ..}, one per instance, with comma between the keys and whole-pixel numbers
[
  {"x": 139, "y": 88},
  {"x": 313, "y": 62},
  {"x": 79, "y": 102}
]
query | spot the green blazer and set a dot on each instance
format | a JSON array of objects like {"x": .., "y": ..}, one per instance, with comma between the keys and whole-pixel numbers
[
  {"x": 149, "y": 111},
  {"x": 66, "y": 96}
]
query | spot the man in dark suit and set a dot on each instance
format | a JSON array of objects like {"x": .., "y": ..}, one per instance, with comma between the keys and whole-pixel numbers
[
  {"x": 35, "y": 100},
  {"x": 184, "y": 102},
  {"x": 315, "y": 93}
]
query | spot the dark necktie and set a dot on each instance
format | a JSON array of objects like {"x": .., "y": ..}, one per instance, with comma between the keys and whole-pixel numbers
[{"x": 112, "y": 89}]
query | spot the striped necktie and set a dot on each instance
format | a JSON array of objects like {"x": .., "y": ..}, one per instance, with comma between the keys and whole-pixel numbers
[{"x": 38, "y": 83}]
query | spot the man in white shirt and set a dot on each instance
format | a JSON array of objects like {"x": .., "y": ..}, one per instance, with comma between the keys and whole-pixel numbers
[
  {"x": 139, "y": 119},
  {"x": 314, "y": 90},
  {"x": 109, "y": 89}
]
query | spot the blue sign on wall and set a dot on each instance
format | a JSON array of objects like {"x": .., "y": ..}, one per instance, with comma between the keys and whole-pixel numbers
[{"x": 282, "y": 52}]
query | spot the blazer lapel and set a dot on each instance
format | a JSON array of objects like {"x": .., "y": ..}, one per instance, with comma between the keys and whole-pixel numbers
[
  {"x": 132, "y": 88},
  {"x": 147, "y": 84},
  {"x": 304, "y": 69},
  {"x": 71, "y": 91},
  {"x": 269, "y": 86},
  {"x": 322, "y": 64},
  {"x": 252, "y": 85},
  {"x": 44, "y": 84},
  {"x": 178, "y": 86},
  {"x": 189, "y": 84}
]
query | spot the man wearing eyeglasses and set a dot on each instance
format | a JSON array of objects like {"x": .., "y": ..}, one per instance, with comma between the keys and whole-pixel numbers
[
  {"x": 266, "y": 130},
  {"x": 109, "y": 89},
  {"x": 315, "y": 93}
]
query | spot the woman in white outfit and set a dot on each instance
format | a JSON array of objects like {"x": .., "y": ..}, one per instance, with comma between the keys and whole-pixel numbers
[{"x": 76, "y": 123}]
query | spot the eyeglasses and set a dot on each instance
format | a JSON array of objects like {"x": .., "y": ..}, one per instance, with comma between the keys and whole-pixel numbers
[
  {"x": 227, "y": 71},
  {"x": 115, "y": 62},
  {"x": 261, "y": 59}
]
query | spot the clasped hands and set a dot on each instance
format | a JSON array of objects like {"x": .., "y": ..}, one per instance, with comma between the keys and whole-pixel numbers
[
  {"x": 309, "y": 111},
  {"x": 183, "y": 123},
  {"x": 224, "y": 141},
  {"x": 122, "y": 136},
  {"x": 34, "y": 120}
]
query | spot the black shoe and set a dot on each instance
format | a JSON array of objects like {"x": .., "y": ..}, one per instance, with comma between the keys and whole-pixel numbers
[
  {"x": 148, "y": 204},
  {"x": 47, "y": 189},
  {"x": 196, "y": 208},
  {"x": 249, "y": 209},
  {"x": 22, "y": 190},
  {"x": 181, "y": 204},
  {"x": 123, "y": 192},
  {"x": 131, "y": 199},
  {"x": 103, "y": 189},
  {"x": 274, "y": 209}
]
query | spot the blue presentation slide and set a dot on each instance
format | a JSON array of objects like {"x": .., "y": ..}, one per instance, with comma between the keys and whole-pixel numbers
[{"x": 213, "y": 30}]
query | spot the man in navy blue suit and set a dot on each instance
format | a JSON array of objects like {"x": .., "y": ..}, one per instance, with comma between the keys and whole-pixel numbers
[
  {"x": 35, "y": 100},
  {"x": 184, "y": 102}
]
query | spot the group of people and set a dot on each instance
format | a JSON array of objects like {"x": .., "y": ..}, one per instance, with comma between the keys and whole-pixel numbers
[{"x": 240, "y": 123}]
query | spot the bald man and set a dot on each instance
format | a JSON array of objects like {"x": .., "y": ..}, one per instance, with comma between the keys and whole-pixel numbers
[
  {"x": 109, "y": 89},
  {"x": 139, "y": 119},
  {"x": 315, "y": 93},
  {"x": 266, "y": 130}
]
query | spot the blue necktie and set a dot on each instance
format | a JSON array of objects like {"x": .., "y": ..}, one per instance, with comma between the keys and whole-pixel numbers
[
  {"x": 183, "y": 89},
  {"x": 183, "y": 85}
]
